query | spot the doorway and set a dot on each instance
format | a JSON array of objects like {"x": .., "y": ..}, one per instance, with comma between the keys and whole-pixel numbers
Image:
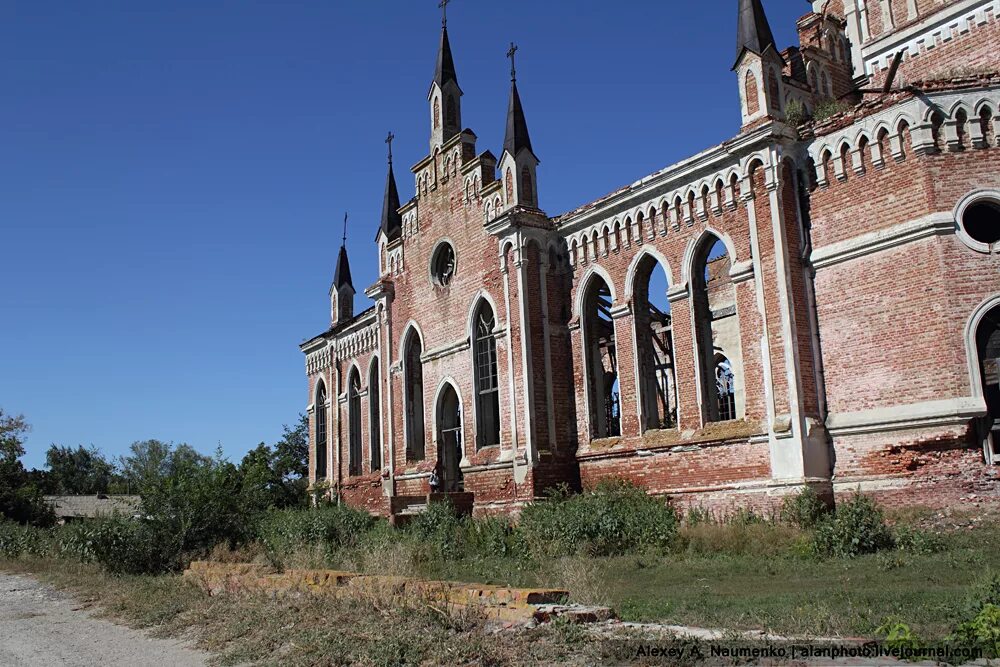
[
  {"x": 988, "y": 345},
  {"x": 449, "y": 426}
]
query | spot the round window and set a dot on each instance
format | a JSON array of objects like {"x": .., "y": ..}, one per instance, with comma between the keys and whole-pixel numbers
[
  {"x": 981, "y": 221},
  {"x": 443, "y": 264}
]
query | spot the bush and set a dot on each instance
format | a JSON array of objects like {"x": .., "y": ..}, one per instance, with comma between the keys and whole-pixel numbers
[
  {"x": 916, "y": 541},
  {"x": 331, "y": 527},
  {"x": 17, "y": 541},
  {"x": 795, "y": 113},
  {"x": 856, "y": 527},
  {"x": 613, "y": 519},
  {"x": 982, "y": 631},
  {"x": 129, "y": 546},
  {"x": 805, "y": 509},
  {"x": 76, "y": 541}
]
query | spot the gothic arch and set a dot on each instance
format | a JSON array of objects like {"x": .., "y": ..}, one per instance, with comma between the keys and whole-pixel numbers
[
  {"x": 470, "y": 323},
  {"x": 972, "y": 351},
  {"x": 586, "y": 280},
  {"x": 410, "y": 328},
  {"x": 695, "y": 244},
  {"x": 634, "y": 265}
]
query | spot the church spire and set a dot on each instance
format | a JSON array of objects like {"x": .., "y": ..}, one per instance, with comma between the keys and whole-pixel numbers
[
  {"x": 391, "y": 222},
  {"x": 445, "y": 95},
  {"x": 342, "y": 274},
  {"x": 516, "y": 137},
  {"x": 753, "y": 32}
]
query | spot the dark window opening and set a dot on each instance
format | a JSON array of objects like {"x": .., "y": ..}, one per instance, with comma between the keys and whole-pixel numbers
[
  {"x": 602, "y": 362},
  {"x": 451, "y": 109},
  {"x": 414, "y": 374},
  {"x": 443, "y": 265},
  {"x": 354, "y": 424},
  {"x": 982, "y": 221},
  {"x": 487, "y": 379},
  {"x": 725, "y": 388},
  {"x": 716, "y": 330},
  {"x": 321, "y": 439},
  {"x": 988, "y": 346},
  {"x": 375, "y": 417},
  {"x": 654, "y": 335}
]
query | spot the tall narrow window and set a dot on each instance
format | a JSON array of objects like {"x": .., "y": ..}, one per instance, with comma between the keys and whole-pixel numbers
[
  {"x": 414, "y": 374},
  {"x": 654, "y": 339},
  {"x": 602, "y": 361},
  {"x": 988, "y": 347},
  {"x": 527, "y": 192},
  {"x": 321, "y": 439},
  {"x": 375, "y": 417},
  {"x": 717, "y": 331},
  {"x": 451, "y": 120},
  {"x": 354, "y": 423},
  {"x": 487, "y": 383}
]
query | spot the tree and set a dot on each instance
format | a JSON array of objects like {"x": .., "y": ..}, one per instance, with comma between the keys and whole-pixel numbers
[
  {"x": 20, "y": 498},
  {"x": 78, "y": 471},
  {"x": 148, "y": 461},
  {"x": 291, "y": 460}
]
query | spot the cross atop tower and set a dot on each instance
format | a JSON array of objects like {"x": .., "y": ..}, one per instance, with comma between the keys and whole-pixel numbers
[
  {"x": 345, "y": 228},
  {"x": 444, "y": 12},
  {"x": 388, "y": 141},
  {"x": 510, "y": 54}
]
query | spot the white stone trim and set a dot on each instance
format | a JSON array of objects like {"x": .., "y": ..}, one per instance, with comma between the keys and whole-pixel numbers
[
  {"x": 946, "y": 412},
  {"x": 933, "y": 224},
  {"x": 966, "y": 201},
  {"x": 445, "y": 351}
]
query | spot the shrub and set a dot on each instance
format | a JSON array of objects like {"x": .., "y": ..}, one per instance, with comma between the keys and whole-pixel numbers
[
  {"x": 76, "y": 541},
  {"x": 805, "y": 509},
  {"x": 17, "y": 541},
  {"x": 856, "y": 527},
  {"x": 795, "y": 113},
  {"x": 614, "y": 518},
  {"x": 829, "y": 108},
  {"x": 982, "y": 631},
  {"x": 698, "y": 515},
  {"x": 492, "y": 537},
  {"x": 129, "y": 546},
  {"x": 916, "y": 541},
  {"x": 330, "y": 526}
]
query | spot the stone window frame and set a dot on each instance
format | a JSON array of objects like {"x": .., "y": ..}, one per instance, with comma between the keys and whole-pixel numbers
[{"x": 975, "y": 197}]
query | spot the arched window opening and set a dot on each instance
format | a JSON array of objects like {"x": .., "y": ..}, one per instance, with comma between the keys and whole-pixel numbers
[
  {"x": 375, "y": 416},
  {"x": 437, "y": 113},
  {"x": 508, "y": 180},
  {"x": 354, "y": 424},
  {"x": 449, "y": 450},
  {"x": 986, "y": 127},
  {"x": 845, "y": 160},
  {"x": 321, "y": 432},
  {"x": 962, "y": 129},
  {"x": 527, "y": 191},
  {"x": 825, "y": 79},
  {"x": 717, "y": 333},
  {"x": 451, "y": 109},
  {"x": 773, "y": 90},
  {"x": 655, "y": 344},
  {"x": 725, "y": 388},
  {"x": 988, "y": 347},
  {"x": 981, "y": 221},
  {"x": 602, "y": 361},
  {"x": 413, "y": 372},
  {"x": 752, "y": 95},
  {"x": 486, "y": 378},
  {"x": 937, "y": 121}
]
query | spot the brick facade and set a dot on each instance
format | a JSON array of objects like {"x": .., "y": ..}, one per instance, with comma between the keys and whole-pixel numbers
[{"x": 825, "y": 292}]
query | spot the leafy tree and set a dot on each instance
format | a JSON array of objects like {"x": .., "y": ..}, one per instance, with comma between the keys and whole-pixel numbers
[
  {"x": 80, "y": 471},
  {"x": 20, "y": 497},
  {"x": 291, "y": 460},
  {"x": 148, "y": 461}
]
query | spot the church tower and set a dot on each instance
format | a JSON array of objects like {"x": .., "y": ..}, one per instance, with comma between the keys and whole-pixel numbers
[
  {"x": 518, "y": 164},
  {"x": 342, "y": 290},
  {"x": 758, "y": 65},
  {"x": 445, "y": 97}
]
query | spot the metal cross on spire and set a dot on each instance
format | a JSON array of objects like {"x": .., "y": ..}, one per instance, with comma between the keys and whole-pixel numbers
[
  {"x": 444, "y": 12},
  {"x": 510, "y": 54},
  {"x": 388, "y": 140},
  {"x": 345, "y": 228}
]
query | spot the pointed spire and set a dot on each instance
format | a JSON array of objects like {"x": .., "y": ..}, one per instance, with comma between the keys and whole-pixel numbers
[
  {"x": 342, "y": 274},
  {"x": 445, "y": 70},
  {"x": 753, "y": 32},
  {"x": 391, "y": 222},
  {"x": 516, "y": 136}
]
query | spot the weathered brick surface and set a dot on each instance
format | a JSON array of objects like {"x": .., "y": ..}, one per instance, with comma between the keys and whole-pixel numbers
[{"x": 879, "y": 328}]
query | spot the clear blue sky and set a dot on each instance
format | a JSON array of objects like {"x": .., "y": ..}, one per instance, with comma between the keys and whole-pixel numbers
[{"x": 173, "y": 176}]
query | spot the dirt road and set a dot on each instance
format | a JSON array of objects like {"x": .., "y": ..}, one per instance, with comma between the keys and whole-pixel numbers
[{"x": 41, "y": 626}]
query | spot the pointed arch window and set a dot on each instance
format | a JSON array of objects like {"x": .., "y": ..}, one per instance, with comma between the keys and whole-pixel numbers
[
  {"x": 486, "y": 378},
  {"x": 527, "y": 191},
  {"x": 437, "y": 113},
  {"x": 375, "y": 416},
  {"x": 414, "y": 398},
  {"x": 451, "y": 112},
  {"x": 321, "y": 431},
  {"x": 654, "y": 339},
  {"x": 725, "y": 388},
  {"x": 602, "y": 361},
  {"x": 354, "y": 423}
]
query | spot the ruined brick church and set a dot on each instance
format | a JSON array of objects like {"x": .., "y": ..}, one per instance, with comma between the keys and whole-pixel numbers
[{"x": 815, "y": 301}]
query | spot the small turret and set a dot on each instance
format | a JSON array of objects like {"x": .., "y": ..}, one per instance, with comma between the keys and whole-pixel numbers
[
  {"x": 445, "y": 97},
  {"x": 342, "y": 290},
  {"x": 518, "y": 163},
  {"x": 758, "y": 64}
]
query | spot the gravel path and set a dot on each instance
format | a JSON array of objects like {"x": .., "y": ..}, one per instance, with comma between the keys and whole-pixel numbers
[{"x": 41, "y": 626}]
